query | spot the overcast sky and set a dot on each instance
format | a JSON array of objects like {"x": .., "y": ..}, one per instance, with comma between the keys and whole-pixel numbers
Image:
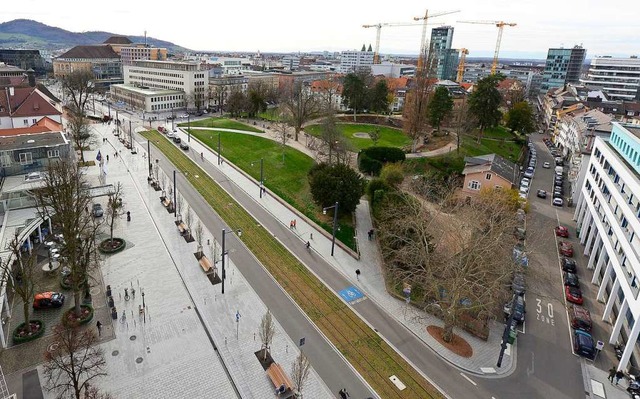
[{"x": 335, "y": 25}]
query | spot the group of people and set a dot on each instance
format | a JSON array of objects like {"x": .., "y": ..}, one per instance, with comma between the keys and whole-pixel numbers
[{"x": 614, "y": 373}]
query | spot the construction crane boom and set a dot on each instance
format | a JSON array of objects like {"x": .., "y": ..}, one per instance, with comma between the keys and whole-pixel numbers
[
  {"x": 500, "y": 25},
  {"x": 378, "y": 26},
  {"x": 463, "y": 57},
  {"x": 423, "y": 39}
]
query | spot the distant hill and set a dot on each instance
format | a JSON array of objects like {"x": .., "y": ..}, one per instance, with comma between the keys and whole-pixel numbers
[{"x": 29, "y": 34}]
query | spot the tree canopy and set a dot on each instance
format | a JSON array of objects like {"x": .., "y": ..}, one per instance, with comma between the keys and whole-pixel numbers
[
  {"x": 520, "y": 118},
  {"x": 485, "y": 101},
  {"x": 440, "y": 106},
  {"x": 336, "y": 183}
]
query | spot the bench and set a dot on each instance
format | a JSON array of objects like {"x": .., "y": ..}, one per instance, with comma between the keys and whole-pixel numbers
[
  {"x": 205, "y": 264},
  {"x": 280, "y": 379},
  {"x": 182, "y": 228}
]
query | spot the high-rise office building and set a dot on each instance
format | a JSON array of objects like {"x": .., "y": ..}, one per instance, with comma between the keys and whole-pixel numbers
[
  {"x": 563, "y": 66},
  {"x": 618, "y": 78},
  {"x": 445, "y": 59}
]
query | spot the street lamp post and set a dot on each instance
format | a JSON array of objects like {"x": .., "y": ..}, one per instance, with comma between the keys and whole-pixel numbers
[
  {"x": 175, "y": 190},
  {"x": 144, "y": 306},
  {"x": 261, "y": 174},
  {"x": 189, "y": 127},
  {"x": 219, "y": 147},
  {"x": 335, "y": 223},
  {"x": 149, "y": 156},
  {"x": 224, "y": 253}
]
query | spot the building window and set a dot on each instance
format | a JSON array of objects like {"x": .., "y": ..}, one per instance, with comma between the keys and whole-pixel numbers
[
  {"x": 488, "y": 176},
  {"x": 474, "y": 185},
  {"x": 25, "y": 122},
  {"x": 25, "y": 158},
  {"x": 53, "y": 154}
]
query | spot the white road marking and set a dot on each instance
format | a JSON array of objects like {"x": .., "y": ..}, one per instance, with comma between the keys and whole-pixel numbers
[{"x": 468, "y": 379}]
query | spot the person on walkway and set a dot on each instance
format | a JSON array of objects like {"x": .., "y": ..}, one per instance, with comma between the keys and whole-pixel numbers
[
  {"x": 308, "y": 245},
  {"x": 107, "y": 157},
  {"x": 290, "y": 224},
  {"x": 612, "y": 373},
  {"x": 294, "y": 224},
  {"x": 619, "y": 375},
  {"x": 370, "y": 234},
  {"x": 99, "y": 326},
  {"x": 128, "y": 216},
  {"x": 358, "y": 274},
  {"x": 344, "y": 394},
  {"x": 202, "y": 156}
]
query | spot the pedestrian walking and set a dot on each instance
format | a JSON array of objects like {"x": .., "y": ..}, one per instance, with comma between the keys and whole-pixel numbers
[
  {"x": 612, "y": 373},
  {"x": 370, "y": 234},
  {"x": 290, "y": 224},
  {"x": 358, "y": 274},
  {"x": 107, "y": 157},
  {"x": 294, "y": 224},
  {"x": 311, "y": 236},
  {"x": 344, "y": 394},
  {"x": 99, "y": 326},
  {"x": 128, "y": 216},
  {"x": 619, "y": 375},
  {"x": 308, "y": 245}
]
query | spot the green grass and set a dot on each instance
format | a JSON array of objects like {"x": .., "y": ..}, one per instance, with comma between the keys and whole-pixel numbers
[
  {"x": 287, "y": 180},
  {"x": 222, "y": 123},
  {"x": 389, "y": 137},
  {"x": 365, "y": 350},
  {"x": 271, "y": 114}
]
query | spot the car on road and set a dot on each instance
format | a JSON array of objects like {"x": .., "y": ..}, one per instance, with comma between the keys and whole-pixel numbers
[
  {"x": 568, "y": 265},
  {"x": 570, "y": 279},
  {"x": 184, "y": 146},
  {"x": 562, "y": 231},
  {"x": 97, "y": 211},
  {"x": 565, "y": 248},
  {"x": 583, "y": 344},
  {"x": 573, "y": 294},
  {"x": 541, "y": 194},
  {"x": 171, "y": 117},
  {"x": 546, "y": 165},
  {"x": 580, "y": 318},
  {"x": 45, "y": 300},
  {"x": 517, "y": 306},
  {"x": 557, "y": 202},
  {"x": 176, "y": 139},
  {"x": 184, "y": 116}
]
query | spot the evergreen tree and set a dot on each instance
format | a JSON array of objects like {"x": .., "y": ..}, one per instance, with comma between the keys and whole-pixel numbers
[{"x": 440, "y": 106}]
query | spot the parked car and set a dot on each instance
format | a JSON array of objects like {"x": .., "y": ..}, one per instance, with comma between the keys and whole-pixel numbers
[
  {"x": 541, "y": 194},
  {"x": 525, "y": 182},
  {"x": 546, "y": 165},
  {"x": 557, "y": 202},
  {"x": 171, "y": 117},
  {"x": 562, "y": 231},
  {"x": 568, "y": 265},
  {"x": 565, "y": 248},
  {"x": 517, "y": 306},
  {"x": 583, "y": 344},
  {"x": 518, "y": 284},
  {"x": 97, "y": 211},
  {"x": 573, "y": 294},
  {"x": 580, "y": 318},
  {"x": 520, "y": 233},
  {"x": 176, "y": 139},
  {"x": 570, "y": 279},
  {"x": 45, "y": 300},
  {"x": 184, "y": 146},
  {"x": 559, "y": 161}
]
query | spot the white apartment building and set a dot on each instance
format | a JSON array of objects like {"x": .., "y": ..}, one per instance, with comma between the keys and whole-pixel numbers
[
  {"x": 162, "y": 85},
  {"x": 231, "y": 66},
  {"x": 141, "y": 52},
  {"x": 392, "y": 70},
  {"x": 608, "y": 219},
  {"x": 618, "y": 78},
  {"x": 573, "y": 127},
  {"x": 355, "y": 61},
  {"x": 290, "y": 62}
]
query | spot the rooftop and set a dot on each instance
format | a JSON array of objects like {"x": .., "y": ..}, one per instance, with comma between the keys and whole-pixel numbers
[
  {"x": 502, "y": 167},
  {"x": 118, "y": 40},
  {"x": 146, "y": 91},
  {"x": 95, "y": 51},
  {"x": 633, "y": 130},
  {"x": 35, "y": 140}
]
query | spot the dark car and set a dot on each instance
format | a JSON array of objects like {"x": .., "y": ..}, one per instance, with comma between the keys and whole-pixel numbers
[
  {"x": 562, "y": 231},
  {"x": 571, "y": 279},
  {"x": 176, "y": 139},
  {"x": 97, "y": 211},
  {"x": 520, "y": 233},
  {"x": 541, "y": 194},
  {"x": 580, "y": 318},
  {"x": 573, "y": 294},
  {"x": 184, "y": 146},
  {"x": 517, "y": 285},
  {"x": 568, "y": 265},
  {"x": 565, "y": 248},
  {"x": 517, "y": 306},
  {"x": 583, "y": 344},
  {"x": 45, "y": 300}
]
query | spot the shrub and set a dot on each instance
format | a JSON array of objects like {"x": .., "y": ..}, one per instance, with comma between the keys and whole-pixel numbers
[
  {"x": 368, "y": 165},
  {"x": 336, "y": 183},
  {"x": 392, "y": 174},
  {"x": 370, "y": 160}
]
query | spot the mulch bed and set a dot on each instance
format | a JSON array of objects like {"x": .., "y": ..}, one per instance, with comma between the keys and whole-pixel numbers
[{"x": 457, "y": 345}]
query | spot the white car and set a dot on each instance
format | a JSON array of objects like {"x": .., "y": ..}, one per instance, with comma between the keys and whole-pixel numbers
[
  {"x": 557, "y": 201},
  {"x": 546, "y": 165},
  {"x": 184, "y": 116},
  {"x": 524, "y": 190},
  {"x": 525, "y": 182}
]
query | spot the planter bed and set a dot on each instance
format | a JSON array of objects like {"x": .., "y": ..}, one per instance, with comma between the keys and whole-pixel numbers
[{"x": 36, "y": 331}]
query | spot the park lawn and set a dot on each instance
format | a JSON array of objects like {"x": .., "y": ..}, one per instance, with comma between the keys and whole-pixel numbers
[
  {"x": 389, "y": 137},
  {"x": 222, "y": 123},
  {"x": 288, "y": 181},
  {"x": 365, "y": 350},
  {"x": 271, "y": 114}
]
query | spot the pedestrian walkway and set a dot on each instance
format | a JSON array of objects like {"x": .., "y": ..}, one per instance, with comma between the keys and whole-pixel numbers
[
  {"x": 371, "y": 280},
  {"x": 187, "y": 343},
  {"x": 600, "y": 386}
]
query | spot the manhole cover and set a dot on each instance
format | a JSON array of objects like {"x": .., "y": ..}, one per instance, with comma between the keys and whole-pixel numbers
[
  {"x": 132, "y": 338},
  {"x": 114, "y": 353},
  {"x": 139, "y": 360}
]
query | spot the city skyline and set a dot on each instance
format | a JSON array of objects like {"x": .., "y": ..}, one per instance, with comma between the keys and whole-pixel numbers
[{"x": 337, "y": 26}]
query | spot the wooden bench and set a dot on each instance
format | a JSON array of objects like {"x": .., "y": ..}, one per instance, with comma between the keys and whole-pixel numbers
[
  {"x": 280, "y": 379},
  {"x": 205, "y": 264},
  {"x": 182, "y": 228}
]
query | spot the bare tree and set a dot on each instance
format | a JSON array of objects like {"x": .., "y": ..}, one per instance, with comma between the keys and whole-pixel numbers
[
  {"x": 300, "y": 372},
  {"x": 80, "y": 130},
  {"x": 460, "y": 259},
  {"x": 199, "y": 230},
  {"x": 73, "y": 363},
  {"x": 156, "y": 171},
  {"x": 115, "y": 209},
  {"x": 282, "y": 132},
  {"x": 179, "y": 205},
  {"x": 78, "y": 85},
  {"x": 188, "y": 219},
  {"x": 300, "y": 105},
  {"x": 213, "y": 252},
  {"x": 170, "y": 195},
  {"x": 163, "y": 184},
  {"x": 63, "y": 198},
  {"x": 20, "y": 269},
  {"x": 417, "y": 99},
  {"x": 327, "y": 91},
  {"x": 331, "y": 146},
  {"x": 462, "y": 120},
  {"x": 267, "y": 331}
]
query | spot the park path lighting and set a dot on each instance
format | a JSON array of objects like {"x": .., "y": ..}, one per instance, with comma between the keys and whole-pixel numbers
[
  {"x": 261, "y": 174},
  {"x": 335, "y": 223},
  {"x": 224, "y": 252}
]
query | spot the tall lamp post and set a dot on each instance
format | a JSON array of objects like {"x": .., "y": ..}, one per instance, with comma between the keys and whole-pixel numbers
[
  {"x": 189, "y": 127},
  {"x": 219, "y": 160},
  {"x": 335, "y": 223},
  {"x": 175, "y": 191},
  {"x": 144, "y": 306},
  {"x": 261, "y": 174},
  {"x": 224, "y": 252},
  {"x": 149, "y": 156}
]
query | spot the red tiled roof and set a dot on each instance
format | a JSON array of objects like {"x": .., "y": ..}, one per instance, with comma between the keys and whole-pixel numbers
[
  {"x": 325, "y": 84},
  {"x": 44, "y": 125},
  {"x": 36, "y": 105}
]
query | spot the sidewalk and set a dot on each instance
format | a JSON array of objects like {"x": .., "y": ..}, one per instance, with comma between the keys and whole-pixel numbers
[
  {"x": 597, "y": 382},
  {"x": 177, "y": 349},
  {"x": 371, "y": 279}
]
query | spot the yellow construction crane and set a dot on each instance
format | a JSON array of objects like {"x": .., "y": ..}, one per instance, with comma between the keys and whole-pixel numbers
[
  {"x": 500, "y": 25},
  {"x": 463, "y": 57},
  {"x": 378, "y": 26},
  {"x": 423, "y": 40}
]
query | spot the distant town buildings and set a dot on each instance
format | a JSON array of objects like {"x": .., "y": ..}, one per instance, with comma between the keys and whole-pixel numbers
[
  {"x": 103, "y": 61},
  {"x": 356, "y": 61},
  {"x": 563, "y": 66},
  {"x": 142, "y": 52},
  {"x": 24, "y": 59},
  {"x": 618, "y": 78},
  {"x": 393, "y": 70}
]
